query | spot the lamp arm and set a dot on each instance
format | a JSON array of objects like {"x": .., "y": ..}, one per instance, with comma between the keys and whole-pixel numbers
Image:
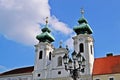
[
  {"x": 79, "y": 66},
  {"x": 68, "y": 69}
]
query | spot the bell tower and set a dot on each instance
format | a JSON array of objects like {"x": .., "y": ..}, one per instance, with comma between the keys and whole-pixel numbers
[
  {"x": 84, "y": 44},
  {"x": 44, "y": 51}
]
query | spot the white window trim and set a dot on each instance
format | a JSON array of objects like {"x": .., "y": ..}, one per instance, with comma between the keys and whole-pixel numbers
[
  {"x": 97, "y": 78},
  {"x": 111, "y": 77}
]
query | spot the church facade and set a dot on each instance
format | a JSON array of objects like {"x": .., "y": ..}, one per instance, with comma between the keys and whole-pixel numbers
[{"x": 49, "y": 60}]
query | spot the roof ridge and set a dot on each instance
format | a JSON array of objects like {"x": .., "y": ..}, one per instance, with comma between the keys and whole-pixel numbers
[{"x": 107, "y": 56}]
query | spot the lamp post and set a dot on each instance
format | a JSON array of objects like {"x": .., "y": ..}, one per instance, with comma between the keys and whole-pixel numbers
[{"x": 74, "y": 65}]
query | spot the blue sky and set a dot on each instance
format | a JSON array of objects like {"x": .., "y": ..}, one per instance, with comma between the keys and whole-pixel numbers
[{"x": 21, "y": 21}]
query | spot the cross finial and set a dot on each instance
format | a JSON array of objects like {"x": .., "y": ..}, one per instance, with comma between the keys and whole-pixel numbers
[
  {"x": 60, "y": 44},
  {"x": 82, "y": 11},
  {"x": 46, "y": 20}
]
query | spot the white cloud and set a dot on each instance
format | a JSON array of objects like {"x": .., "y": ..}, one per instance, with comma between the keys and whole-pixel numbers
[
  {"x": 7, "y": 3},
  {"x": 19, "y": 20},
  {"x": 60, "y": 26},
  {"x": 69, "y": 42}
]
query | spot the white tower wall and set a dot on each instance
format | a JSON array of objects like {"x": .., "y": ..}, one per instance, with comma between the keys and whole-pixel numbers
[
  {"x": 41, "y": 65},
  {"x": 88, "y": 53}
]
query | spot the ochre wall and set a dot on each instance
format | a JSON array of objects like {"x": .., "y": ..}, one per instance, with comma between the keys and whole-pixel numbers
[{"x": 107, "y": 76}]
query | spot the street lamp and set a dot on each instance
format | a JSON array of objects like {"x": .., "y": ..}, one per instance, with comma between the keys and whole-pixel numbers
[{"x": 74, "y": 65}]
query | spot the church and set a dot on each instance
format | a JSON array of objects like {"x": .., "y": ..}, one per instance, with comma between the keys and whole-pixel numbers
[{"x": 49, "y": 64}]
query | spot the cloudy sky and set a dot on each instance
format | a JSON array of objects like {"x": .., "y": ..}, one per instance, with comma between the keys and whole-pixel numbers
[{"x": 22, "y": 20}]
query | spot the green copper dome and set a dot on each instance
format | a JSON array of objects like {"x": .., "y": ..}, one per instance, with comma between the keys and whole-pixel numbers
[
  {"x": 45, "y": 36},
  {"x": 82, "y": 20},
  {"x": 83, "y": 27},
  {"x": 46, "y": 29}
]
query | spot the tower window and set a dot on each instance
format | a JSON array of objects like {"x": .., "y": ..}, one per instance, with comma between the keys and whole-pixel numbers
[
  {"x": 60, "y": 61},
  {"x": 59, "y": 72},
  {"x": 50, "y": 56},
  {"x": 97, "y": 79},
  {"x": 38, "y": 75},
  {"x": 81, "y": 47},
  {"x": 111, "y": 78},
  {"x": 40, "y": 54},
  {"x": 91, "y": 48}
]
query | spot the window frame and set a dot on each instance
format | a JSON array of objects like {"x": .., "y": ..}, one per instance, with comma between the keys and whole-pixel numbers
[
  {"x": 50, "y": 55},
  {"x": 40, "y": 54},
  {"x": 59, "y": 61},
  {"x": 97, "y": 79},
  {"x": 38, "y": 75},
  {"x": 91, "y": 49},
  {"x": 59, "y": 72},
  {"x": 81, "y": 48},
  {"x": 109, "y": 78}
]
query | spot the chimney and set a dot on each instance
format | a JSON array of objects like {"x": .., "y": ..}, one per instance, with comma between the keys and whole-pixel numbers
[{"x": 109, "y": 54}]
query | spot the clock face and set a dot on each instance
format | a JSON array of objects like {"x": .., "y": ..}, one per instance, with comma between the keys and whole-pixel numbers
[{"x": 81, "y": 39}]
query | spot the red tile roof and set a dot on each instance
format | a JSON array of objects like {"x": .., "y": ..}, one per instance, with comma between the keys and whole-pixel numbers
[
  {"x": 107, "y": 65},
  {"x": 19, "y": 70}
]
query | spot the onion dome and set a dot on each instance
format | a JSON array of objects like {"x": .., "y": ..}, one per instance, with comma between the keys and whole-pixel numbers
[
  {"x": 83, "y": 27},
  {"x": 46, "y": 29},
  {"x": 45, "y": 36}
]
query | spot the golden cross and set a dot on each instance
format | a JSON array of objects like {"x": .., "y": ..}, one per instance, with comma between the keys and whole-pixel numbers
[{"x": 46, "y": 20}]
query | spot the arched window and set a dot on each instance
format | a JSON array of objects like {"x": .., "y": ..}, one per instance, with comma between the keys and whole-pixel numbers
[
  {"x": 60, "y": 61},
  {"x": 40, "y": 54},
  {"x": 50, "y": 56},
  {"x": 81, "y": 47},
  {"x": 91, "y": 48}
]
